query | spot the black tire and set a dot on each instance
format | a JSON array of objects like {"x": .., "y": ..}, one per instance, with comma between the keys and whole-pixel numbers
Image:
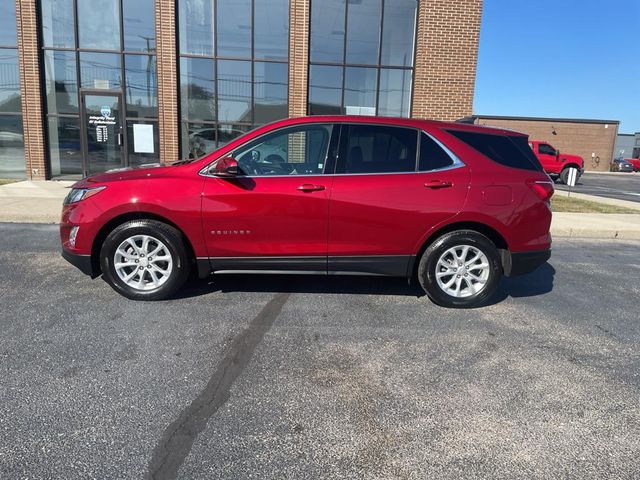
[
  {"x": 168, "y": 235},
  {"x": 429, "y": 263},
  {"x": 564, "y": 176}
]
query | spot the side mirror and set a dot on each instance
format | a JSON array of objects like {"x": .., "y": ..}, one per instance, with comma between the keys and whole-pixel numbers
[
  {"x": 226, "y": 167},
  {"x": 557, "y": 153}
]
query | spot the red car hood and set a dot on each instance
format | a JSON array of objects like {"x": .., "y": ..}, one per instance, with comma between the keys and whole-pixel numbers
[{"x": 131, "y": 173}]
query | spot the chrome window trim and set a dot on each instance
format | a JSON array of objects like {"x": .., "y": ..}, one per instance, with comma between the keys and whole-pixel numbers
[
  {"x": 457, "y": 162},
  {"x": 205, "y": 170}
]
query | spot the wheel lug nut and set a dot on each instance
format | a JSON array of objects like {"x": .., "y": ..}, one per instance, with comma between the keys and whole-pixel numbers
[
  {"x": 139, "y": 268},
  {"x": 137, "y": 260}
]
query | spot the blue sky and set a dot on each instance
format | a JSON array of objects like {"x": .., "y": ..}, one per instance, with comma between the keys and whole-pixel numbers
[{"x": 560, "y": 58}]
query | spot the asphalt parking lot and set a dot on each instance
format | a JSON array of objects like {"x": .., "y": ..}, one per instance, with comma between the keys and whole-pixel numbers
[
  {"x": 302, "y": 377},
  {"x": 624, "y": 186}
]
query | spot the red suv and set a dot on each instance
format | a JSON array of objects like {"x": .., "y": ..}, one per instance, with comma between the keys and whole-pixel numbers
[{"x": 454, "y": 206}]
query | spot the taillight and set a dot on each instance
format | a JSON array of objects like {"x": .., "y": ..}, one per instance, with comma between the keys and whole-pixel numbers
[{"x": 542, "y": 188}]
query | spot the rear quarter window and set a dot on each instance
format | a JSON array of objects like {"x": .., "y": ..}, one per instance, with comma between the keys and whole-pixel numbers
[{"x": 508, "y": 150}]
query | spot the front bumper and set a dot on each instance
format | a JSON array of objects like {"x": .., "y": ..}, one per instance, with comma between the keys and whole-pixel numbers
[
  {"x": 82, "y": 262},
  {"x": 521, "y": 263}
]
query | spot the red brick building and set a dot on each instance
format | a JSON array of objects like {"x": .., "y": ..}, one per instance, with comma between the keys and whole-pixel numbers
[{"x": 90, "y": 85}]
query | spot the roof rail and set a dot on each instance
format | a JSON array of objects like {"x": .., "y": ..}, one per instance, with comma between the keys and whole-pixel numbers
[{"x": 469, "y": 119}]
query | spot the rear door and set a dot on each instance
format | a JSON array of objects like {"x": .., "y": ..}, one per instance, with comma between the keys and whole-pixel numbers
[{"x": 392, "y": 185}]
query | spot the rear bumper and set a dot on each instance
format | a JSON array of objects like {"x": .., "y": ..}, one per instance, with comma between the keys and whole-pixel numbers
[
  {"x": 520, "y": 263},
  {"x": 82, "y": 262}
]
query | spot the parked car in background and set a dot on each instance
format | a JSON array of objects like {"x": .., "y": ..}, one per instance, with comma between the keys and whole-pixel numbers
[
  {"x": 451, "y": 206},
  {"x": 635, "y": 162},
  {"x": 554, "y": 163},
  {"x": 621, "y": 165}
]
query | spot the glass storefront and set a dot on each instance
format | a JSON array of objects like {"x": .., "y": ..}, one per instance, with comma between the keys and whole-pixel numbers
[
  {"x": 233, "y": 69},
  {"x": 100, "y": 84},
  {"x": 12, "y": 162},
  {"x": 361, "y": 57}
]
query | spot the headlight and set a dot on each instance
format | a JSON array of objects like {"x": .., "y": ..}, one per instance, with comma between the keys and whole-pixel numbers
[{"x": 77, "y": 194}]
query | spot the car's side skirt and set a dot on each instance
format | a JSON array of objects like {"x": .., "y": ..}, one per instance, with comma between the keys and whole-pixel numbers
[{"x": 386, "y": 265}]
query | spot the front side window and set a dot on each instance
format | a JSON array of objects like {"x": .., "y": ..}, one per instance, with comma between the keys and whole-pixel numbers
[
  {"x": 291, "y": 151},
  {"x": 546, "y": 149},
  {"x": 377, "y": 149}
]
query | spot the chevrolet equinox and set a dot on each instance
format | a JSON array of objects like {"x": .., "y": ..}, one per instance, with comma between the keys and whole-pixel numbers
[{"x": 451, "y": 205}]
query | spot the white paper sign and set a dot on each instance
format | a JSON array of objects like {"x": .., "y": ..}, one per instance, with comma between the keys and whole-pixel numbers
[
  {"x": 142, "y": 138},
  {"x": 572, "y": 177}
]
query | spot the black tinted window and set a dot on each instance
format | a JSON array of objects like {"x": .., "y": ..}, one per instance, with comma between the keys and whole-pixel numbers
[
  {"x": 378, "y": 149},
  {"x": 511, "y": 151},
  {"x": 432, "y": 156},
  {"x": 546, "y": 149}
]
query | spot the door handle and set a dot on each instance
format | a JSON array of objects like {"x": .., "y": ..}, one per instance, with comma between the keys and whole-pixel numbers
[
  {"x": 310, "y": 187},
  {"x": 119, "y": 139},
  {"x": 437, "y": 184}
]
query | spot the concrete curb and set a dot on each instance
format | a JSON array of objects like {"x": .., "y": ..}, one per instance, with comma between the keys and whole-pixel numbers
[
  {"x": 595, "y": 233},
  {"x": 622, "y": 174},
  {"x": 593, "y": 198},
  {"x": 596, "y": 225}
]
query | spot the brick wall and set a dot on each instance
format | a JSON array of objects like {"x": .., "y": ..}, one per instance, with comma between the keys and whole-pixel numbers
[
  {"x": 446, "y": 56},
  {"x": 167, "y": 80},
  {"x": 29, "y": 69},
  {"x": 579, "y": 138},
  {"x": 299, "y": 14}
]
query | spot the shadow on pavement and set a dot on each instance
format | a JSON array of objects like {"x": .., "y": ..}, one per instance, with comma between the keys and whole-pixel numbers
[{"x": 536, "y": 283}]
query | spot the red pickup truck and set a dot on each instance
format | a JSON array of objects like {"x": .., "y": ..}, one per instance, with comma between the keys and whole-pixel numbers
[{"x": 553, "y": 162}]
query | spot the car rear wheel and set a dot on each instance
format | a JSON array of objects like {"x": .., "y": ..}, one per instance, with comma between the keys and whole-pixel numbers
[
  {"x": 461, "y": 269},
  {"x": 144, "y": 260}
]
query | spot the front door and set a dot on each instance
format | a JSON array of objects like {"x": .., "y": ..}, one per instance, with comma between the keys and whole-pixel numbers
[
  {"x": 274, "y": 216},
  {"x": 103, "y": 133}
]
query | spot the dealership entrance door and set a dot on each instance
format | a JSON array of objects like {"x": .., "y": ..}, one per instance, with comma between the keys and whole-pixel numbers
[{"x": 102, "y": 132}]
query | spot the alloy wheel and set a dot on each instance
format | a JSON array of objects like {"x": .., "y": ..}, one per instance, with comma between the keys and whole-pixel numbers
[{"x": 143, "y": 262}]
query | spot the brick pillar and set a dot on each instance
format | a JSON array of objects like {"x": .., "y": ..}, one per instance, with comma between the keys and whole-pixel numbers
[
  {"x": 298, "y": 56},
  {"x": 32, "y": 119},
  {"x": 165, "y": 13},
  {"x": 446, "y": 57}
]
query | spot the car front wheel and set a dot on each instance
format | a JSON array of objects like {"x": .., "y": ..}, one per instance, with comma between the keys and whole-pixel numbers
[
  {"x": 144, "y": 260},
  {"x": 461, "y": 269}
]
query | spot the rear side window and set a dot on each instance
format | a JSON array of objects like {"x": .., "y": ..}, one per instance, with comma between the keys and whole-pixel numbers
[
  {"x": 378, "y": 149},
  {"x": 432, "y": 156},
  {"x": 510, "y": 151}
]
